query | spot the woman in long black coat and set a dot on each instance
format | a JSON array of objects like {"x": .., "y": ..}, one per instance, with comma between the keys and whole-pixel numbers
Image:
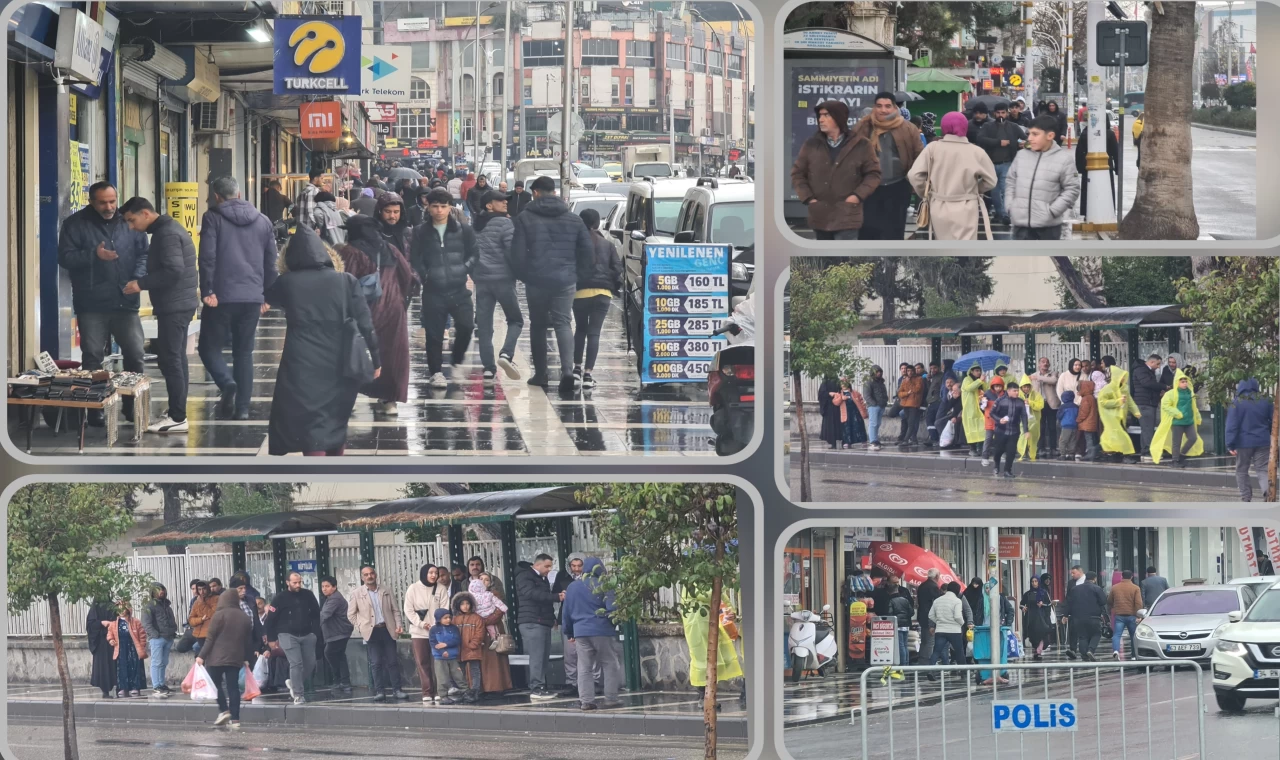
[
  {"x": 103, "y": 675},
  {"x": 832, "y": 428},
  {"x": 1037, "y": 625},
  {"x": 312, "y": 402}
]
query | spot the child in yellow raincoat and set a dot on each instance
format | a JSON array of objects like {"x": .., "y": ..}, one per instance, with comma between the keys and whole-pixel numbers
[
  {"x": 695, "y": 610},
  {"x": 1035, "y": 403},
  {"x": 971, "y": 390},
  {"x": 1179, "y": 420},
  {"x": 1114, "y": 402}
]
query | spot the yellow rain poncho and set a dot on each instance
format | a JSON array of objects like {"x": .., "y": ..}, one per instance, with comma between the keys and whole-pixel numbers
[
  {"x": 1112, "y": 410},
  {"x": 1162, "y": 441},
  {"x": 695, "y": 611},
  {"x": 971, "y": 390},
  {"x": 1035, "y": 403}
]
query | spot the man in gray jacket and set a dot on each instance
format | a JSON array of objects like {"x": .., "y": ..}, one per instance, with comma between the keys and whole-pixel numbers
[
  {"x": 495, "y": 284},
  {"x": 1042, "y": 184},
  {"x": 161, "y": 626}
]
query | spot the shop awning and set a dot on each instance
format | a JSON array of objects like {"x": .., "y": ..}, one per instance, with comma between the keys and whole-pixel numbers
[
  {"x": 946, "y": 327},
  {"x": 1111, "y": 318},
  {"x": 237, "y": 528},
  {"x": 464, "y": 509},
  {"x": 933, "y": 80}
]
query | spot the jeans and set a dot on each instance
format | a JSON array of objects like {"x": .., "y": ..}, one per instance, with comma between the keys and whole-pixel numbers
[
  {"x": 1149, "y": 420},
  {"x": 537, "y": 644},
  {"x": 1123, "y": 622},
  {"x": 171, "y": 356},
  {"x": 997, "y": 195},
  {"x": 1007, "y": 446},
  {"x": 551, "y": 307},
  {"x": 472, "y": 676},
  {"x": 383, "y": 661},
  {"x": 448, "y": 673},
  {"x": 436, "y": 309},
  {"x": 948, "y": 648},
  {"x": 904, "y": 654},
  {"x": 1256, "y": 457},
  {"x": 605, "y": 654},
  {"x": 237, "y": 323},
  {"x": 885, "y": 212},
  {"x": 874, "y": 415},
  {"x": 835, "y": 234},
  {"x": 301, "y": 653},
  {"x": 489, "y": 295},
  {"x": 588, "y": 318},
  {"x": 227, "y": 679},
  {"x": 98, "y": 329},
  {"x": 570, "y": 660},
  {"x": 1180, "y": 448},
  {"x": 160, "y": 649},
  {"x": 1048, "y": 430},
  {"x": 1052, "y": 232},
  {"x": 335, "y": 653}
]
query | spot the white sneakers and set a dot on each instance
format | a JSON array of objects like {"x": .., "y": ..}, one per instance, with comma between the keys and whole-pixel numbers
[
  {"x": 223, "y": 717},
  {"x": 488, "y": 377},
  {"x": 389, "y": 408},
  {"x": 438, "y": 380},
  {"x": 508, "y": 366},
  {"x": 166, "y": 425}
]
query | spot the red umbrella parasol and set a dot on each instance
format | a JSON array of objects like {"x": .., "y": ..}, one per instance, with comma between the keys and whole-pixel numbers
[{"x": 910, "y": 563}]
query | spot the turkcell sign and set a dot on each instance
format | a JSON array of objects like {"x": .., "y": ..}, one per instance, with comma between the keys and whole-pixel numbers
[
  {"x": 1032, "y": 716},
  {"x": 317, "y": 55},
  {"x": 686, "y": 298}
]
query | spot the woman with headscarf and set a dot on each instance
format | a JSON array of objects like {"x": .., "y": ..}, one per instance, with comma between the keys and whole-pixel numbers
[
  {"x": 974, "y": 594},
  {"x": 368, "y": 251},
  {"x": 313, "y": 401},
  {"x": 1113, "y": 160},
  {"x": 832, "y": 421},
  {"x": 103, "y": 674},
  {"x": 421, "y": 601},
  {"x": 393, "y": 223},
  {"x": 1037, "y": 624},
  {"x": 950, "y": 176},
  {"x": 128, "y": 642}
]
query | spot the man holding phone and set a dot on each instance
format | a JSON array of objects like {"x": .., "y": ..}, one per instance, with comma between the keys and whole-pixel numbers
[{"x": 102, "y": 255}]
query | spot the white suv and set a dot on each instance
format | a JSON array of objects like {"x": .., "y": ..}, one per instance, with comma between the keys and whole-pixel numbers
[
  {"x": 723, "y": 211},
  {"x": 1246, "y": 658}
]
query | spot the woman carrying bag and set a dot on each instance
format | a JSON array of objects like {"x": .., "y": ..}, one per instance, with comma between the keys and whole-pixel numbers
[
  {"x": 128, "y": 641},
  {"x": 950, "y": 177}
]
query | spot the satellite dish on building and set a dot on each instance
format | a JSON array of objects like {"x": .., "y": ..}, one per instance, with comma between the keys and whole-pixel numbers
[{"x": 576, "y": 127}]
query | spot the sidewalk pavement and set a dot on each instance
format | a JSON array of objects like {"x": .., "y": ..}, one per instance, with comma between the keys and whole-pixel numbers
[{"x": 649, "y": 712}]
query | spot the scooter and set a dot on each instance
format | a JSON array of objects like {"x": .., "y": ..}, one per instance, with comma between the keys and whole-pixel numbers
[
  {"x": 731, "y": 380},
  {"x": 811, "y": 643}
]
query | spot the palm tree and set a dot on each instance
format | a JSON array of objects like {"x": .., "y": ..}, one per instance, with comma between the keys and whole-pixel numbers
[{"x": 1164, "y": 208}]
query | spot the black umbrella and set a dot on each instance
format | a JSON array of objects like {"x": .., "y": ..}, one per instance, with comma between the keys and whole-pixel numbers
[
  {"x": 902, "y": 96},
  {"x": 990, "y": 101}
]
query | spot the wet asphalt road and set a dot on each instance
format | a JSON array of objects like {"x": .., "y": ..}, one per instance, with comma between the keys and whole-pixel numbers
[
  {"x": 835, "y": 483},
  {"x": 506, "y": 418},
  {"x": 141, "y": 741}
]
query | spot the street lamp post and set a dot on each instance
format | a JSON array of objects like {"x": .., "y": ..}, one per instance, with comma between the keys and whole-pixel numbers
[{"x": 566, "y": 175}]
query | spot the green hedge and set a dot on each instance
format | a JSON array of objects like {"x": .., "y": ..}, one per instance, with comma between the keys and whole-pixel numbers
[{"x": 1222, "y": 116}]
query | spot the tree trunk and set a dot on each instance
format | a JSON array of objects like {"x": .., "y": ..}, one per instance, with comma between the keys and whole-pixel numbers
[
  {"x": 1201, "y": 266},
  {"x": 1085, "y": 285},
  {"x": 172, "y": 493},
  {"x": 806, "y": 486},
  {"x": 1164, "y": 207},
  {"x": 1273, "y": 488},
  {"x": 713, "y": 650},
  {"x": 70, "y": 749}
]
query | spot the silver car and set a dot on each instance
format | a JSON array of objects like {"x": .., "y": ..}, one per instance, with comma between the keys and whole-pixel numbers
[{"x": 1181, "y": 623}]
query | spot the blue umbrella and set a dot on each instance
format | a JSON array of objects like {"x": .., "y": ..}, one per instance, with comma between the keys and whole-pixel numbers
[{"x": 985, "y": 359}]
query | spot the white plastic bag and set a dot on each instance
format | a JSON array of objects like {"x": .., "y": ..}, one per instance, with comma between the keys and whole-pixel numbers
[
  {"x": 202, "y": 686},
  {"x": 948, "y": 434},
  {"x": 262, "y": 669}
]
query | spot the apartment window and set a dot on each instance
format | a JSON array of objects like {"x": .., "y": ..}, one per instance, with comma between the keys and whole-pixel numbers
[
  {"x": 422, "y": 55},
  {"x": 535, "y": 122},
  {"x": 468, "y": 88},
  {"x": 498, "y": 53},
  {"x": 543, "y": 53},
  {"x": 675, "y": 55},
  {"x": 413, "y": 123},
  {"x": 468, "y": 54},
  {"x": 640, "y": 54},
  {"x": 653, "y": 89},
  {"x": 528, "y": 95},
  {"x": 498, "y": 86},
  {"x": 605, "y": 123},
  {"x": 584, "y": 90},
  {"x": 599, "y": 52},
  {"x": 468, "y": 129},
  {"x": 716, "y": 61},
  {"x": 629, "y": 92},
  {"x": 418, "y": 89},
  {"x": 613, "y": 89},
  {"x": 699, "y": 60},
  {"x": 735, "y": 66}
]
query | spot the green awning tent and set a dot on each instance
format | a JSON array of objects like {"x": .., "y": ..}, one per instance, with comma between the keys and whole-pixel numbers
[{"x": 941, "y": 91}]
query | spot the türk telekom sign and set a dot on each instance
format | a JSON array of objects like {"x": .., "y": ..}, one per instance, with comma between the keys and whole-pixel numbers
[{"x": 320, "y": 121}]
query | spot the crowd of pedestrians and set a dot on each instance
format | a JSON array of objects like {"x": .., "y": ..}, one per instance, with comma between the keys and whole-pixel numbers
[{"x": 357, "y": 261}]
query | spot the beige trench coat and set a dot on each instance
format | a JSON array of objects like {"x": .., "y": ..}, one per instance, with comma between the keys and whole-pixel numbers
[{"x": 957, "y": 173}]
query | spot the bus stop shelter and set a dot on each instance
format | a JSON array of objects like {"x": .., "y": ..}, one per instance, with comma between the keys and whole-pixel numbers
[
  {"x": 1126, "y": 320},
  {"x": 946, "y": 328}
]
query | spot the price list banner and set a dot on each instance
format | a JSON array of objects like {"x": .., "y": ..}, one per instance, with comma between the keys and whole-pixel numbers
[{"x": 686, "y": 299}]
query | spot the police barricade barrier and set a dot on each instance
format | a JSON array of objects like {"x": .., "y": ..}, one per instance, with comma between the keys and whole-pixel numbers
[{"x": 1078, "y": 707}]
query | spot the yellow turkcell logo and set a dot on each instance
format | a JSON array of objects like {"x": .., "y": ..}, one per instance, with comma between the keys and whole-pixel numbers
[{"x": 317, "y": 45}]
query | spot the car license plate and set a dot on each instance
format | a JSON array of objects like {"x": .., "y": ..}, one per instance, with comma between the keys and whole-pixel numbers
[
  {"x": 1266, "y": 674},
  {"x": 1183, "y": 648}
]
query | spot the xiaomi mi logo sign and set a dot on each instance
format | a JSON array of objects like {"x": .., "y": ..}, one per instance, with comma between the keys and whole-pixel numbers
[{"x": 321, "y": 121}]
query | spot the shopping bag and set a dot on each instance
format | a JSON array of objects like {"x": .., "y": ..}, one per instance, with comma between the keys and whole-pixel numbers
[
  {"x": 249, "y": 688},
  {"x": 948, "y": 434},
  {"x": 202, "y": 687},
  {"x": 1013, "y": 646},
  {"x": 262, "y": 669}
]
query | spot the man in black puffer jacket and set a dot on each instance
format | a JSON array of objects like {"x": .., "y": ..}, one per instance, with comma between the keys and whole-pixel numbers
[
  {"x": 597, "y": 283},
  {"x": 550, "y": 246},
  {"x": 495, "y": 284},
  {"x": 535, "y": 616},
  {"x": 443, "y": 252},
  {"x": 174, "y": 282}
]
